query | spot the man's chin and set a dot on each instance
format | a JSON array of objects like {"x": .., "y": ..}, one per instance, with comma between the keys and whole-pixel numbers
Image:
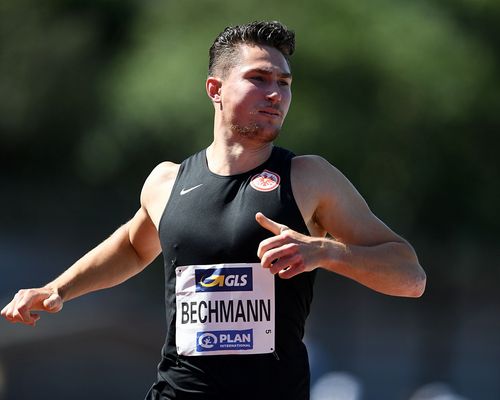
[{"x": 257, "y": 132}]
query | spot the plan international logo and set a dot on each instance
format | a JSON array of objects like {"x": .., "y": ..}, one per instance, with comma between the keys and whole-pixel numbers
[
  {"x": 224, "y": 279},
  {"x": 224, "y": 340}
]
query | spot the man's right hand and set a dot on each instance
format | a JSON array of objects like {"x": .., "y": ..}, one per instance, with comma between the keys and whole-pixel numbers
[{"x": 26, "y": 301}]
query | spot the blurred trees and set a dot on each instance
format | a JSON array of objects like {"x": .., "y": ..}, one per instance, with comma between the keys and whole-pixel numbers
[{"x": 402, "y": 96}]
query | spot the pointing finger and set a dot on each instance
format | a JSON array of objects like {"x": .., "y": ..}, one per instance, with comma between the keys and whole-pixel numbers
[{"x": 269, "y": 224}]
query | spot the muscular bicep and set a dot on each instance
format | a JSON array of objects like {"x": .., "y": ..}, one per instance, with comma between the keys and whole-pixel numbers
[
  {"x": 338, "y": 208},
  {"x": 143, "y": 227},
  {"x": 344, "y": 214},
  {"x": 143, "y": 236}
]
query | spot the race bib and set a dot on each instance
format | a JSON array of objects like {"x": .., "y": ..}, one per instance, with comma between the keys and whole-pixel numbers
[{"x": 224, "y": 309}]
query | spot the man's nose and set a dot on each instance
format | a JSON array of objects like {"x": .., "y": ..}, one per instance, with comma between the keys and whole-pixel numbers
[{"x": 274, "y": 96}]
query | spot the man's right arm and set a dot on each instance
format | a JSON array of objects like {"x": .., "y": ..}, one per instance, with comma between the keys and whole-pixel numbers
[{"x": 125, "y": 253}]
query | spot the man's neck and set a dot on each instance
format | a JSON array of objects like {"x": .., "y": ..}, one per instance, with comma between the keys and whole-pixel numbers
[{"x": 231, "y": 158}]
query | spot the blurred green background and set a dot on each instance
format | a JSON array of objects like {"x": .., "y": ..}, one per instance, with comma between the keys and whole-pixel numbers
[{"x": 402, "y": 96}]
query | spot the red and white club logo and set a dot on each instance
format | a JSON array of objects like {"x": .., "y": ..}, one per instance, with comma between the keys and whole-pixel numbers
[{"x": 265, "y": 181}]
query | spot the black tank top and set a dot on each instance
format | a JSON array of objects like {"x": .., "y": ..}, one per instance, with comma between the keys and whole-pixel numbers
[{"x": 210, "y": 219}]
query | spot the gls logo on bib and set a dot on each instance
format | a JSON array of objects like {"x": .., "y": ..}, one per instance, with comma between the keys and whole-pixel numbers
[{"x": 224, "y": 280}]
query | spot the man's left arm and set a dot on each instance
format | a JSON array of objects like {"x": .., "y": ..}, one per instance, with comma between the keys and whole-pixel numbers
[{"x": 362, "y": 247}]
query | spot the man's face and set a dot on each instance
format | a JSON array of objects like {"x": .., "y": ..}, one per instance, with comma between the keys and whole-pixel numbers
[{"x": 256, "y": 93}]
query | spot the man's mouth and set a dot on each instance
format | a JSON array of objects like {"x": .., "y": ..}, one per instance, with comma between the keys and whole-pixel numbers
[{"x": 274, "y": 113}]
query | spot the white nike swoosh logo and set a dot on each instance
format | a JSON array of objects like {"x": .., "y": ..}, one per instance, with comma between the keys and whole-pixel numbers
[{"x": 184, "y": 191}]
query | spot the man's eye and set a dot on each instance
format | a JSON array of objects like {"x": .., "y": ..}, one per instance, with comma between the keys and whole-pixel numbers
[
  {"x": 284, "y": 83},
  {"x": 257, "y": 78}
]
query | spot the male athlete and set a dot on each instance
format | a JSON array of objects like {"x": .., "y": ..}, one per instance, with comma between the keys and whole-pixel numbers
[{"x": 242, "y": 226}]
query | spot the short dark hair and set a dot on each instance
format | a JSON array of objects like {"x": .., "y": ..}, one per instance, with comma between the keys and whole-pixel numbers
[{"x": 224, "y": 51}]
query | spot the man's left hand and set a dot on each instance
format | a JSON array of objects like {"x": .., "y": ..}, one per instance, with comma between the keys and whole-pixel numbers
[{"x": 288, "y": 253}]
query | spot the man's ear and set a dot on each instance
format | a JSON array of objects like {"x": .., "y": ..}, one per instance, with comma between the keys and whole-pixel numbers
[{"x": 213, "y": 86}]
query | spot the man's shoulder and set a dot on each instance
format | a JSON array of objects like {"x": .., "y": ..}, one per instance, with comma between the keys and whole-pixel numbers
[
  {"x": 315, "y": 174},
  {"x": 164, "y": 170},
  {"x": 162, "y": 176},
  {"x": 167, "y": 171},
  {"x": 311, "y": 163}
]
